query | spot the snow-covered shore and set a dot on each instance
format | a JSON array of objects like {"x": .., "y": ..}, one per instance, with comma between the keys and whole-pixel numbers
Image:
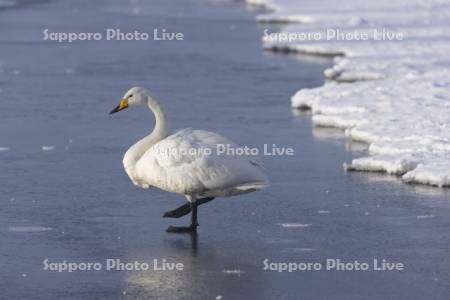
[{"x": 390, "y": 88}]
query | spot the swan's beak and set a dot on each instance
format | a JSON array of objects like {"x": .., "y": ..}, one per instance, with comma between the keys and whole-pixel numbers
[{"x": 123, "y": 104}]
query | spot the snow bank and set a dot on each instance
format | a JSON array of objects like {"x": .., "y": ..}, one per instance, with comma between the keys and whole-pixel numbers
[{"x": 390, "y": 89}]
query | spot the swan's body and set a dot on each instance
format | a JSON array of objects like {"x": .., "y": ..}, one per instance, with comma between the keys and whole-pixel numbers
[{"x": 187, "y": 162}]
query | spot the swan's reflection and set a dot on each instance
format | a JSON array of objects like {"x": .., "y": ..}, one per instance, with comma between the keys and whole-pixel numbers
[
  {"x": 184, "y": 241},
  {"x": 165, "y": 283},
  {"x": 200, "y": 275}
]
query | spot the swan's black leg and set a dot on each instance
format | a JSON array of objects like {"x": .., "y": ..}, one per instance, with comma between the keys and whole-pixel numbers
[
  {"x": 194, "y": 222},
  {"x": 190, "y": 228},
  {"x": 185, "y": 208},
  {"x": 178, "y": 212}
]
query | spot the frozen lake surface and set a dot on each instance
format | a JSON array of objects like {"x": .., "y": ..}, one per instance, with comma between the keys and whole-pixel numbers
[{"x": 65, "y": 195}]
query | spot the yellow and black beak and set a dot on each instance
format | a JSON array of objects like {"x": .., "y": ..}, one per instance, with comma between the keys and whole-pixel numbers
[{"x": 123, "y": 104}]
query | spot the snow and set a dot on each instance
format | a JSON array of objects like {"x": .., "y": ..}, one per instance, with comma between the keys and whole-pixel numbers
[{"x": 390, "y": 89}]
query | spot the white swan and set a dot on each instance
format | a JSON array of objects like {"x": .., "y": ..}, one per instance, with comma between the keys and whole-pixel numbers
[{"x": 187, "y": 162}]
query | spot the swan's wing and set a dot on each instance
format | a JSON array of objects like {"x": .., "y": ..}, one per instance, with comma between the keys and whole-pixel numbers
[{"x": 188, "y": 162}]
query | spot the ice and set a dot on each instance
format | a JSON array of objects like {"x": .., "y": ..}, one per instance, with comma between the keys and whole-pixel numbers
[
  {"x": 298, "y": 250},
  {"x": 391, "y": 93},
  {"x": 425, "y": 216},
  {"x": 29, "y": 229},
  {"x": 234, "y": 272},
  {"x": 47, "y": 148},
  {"x": 7, "y": 3},
  {"x": 279, "y": 241},
  {"x": 293, "y": 225}
]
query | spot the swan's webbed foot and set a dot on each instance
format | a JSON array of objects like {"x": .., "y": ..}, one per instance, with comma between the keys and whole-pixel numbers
[
  {"x": 185, "y": 208},
  {"x": 182, "y": 229}
]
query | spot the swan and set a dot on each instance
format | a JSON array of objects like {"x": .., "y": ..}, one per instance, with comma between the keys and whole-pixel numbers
[{"x": 187, "y": 163}]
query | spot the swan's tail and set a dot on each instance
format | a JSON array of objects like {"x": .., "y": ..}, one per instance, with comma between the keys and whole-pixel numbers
[
  {"x": 240, "y": 189},
  {"x": 252, "y": 186}
]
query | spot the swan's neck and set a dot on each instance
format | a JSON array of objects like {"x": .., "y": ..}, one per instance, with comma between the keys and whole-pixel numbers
[
  {"x": 161, "y": 129},
  {"x": 160, "y": 132}
]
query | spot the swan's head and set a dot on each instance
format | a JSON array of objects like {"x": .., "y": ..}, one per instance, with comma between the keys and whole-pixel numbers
[{"x": 135, "y": 96}]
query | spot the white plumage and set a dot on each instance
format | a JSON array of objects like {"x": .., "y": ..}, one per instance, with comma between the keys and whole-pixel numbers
[{"x": 188, "y": 162}]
